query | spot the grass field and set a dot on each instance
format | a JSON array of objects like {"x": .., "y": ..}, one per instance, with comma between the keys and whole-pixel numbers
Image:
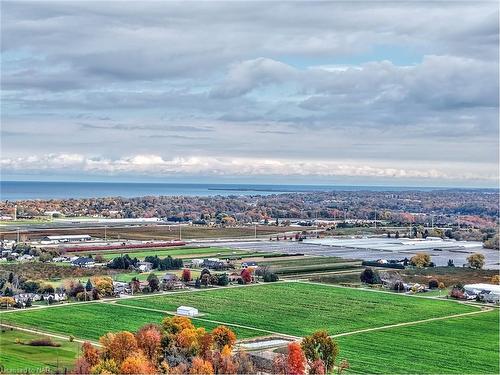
[
  {"x": 316, "y": 268},
  {"x": 173, "y": 252},
  {"x": 302, "y": 261},
  {"x": 19, "y": 358},
  {"x": 465, "y": 345},
  {"x": 290, "y": 308},
  {"x": 91, "y": 321},
  {"x": 300, "y": 309}
]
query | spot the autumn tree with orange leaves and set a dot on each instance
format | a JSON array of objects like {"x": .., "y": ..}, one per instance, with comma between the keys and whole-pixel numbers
[
  {"x": 149, "y": 341},
  {"x": 222, "y": 337},
  {"x": 201, "y": 367},
  {"x": 121, "y": 345},
  {"x": 137, "y": 363},
  {"x": 177, "y": 347}
]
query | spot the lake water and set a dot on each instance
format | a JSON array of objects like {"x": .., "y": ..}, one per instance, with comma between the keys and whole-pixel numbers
[{"x": 19, "y": 190}]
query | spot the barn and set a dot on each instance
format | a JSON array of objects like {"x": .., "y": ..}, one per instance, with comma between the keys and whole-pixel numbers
[{"x": 187, "y": 311}]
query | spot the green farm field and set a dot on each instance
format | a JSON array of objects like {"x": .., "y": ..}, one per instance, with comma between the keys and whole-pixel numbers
[
  {"x": 296, "y": 309},
  {"x": 464, "y": 345},
  {"x": 18, "y": 358},
  {"x": 173, "y": 252},
  {"x": 92, "y": 320},
  {"x": 304, "y": 260},
  {"x": 299, "y": 309}
]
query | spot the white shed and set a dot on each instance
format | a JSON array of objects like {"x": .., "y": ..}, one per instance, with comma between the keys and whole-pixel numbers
[
  {"x": 197, "y": 262},
  {"x": 187, "y": 311}
]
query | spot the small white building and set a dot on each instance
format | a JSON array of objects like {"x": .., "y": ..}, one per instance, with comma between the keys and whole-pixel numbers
[
  {"x": 47, "y": 240},
  {"x": 144, "y": 266},
  {"x": 187, "y": 311},
  {"x": 197, "y": 262}
]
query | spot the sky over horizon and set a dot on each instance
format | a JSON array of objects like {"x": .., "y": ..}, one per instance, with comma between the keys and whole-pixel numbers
[{"x": 394, "y": 93}]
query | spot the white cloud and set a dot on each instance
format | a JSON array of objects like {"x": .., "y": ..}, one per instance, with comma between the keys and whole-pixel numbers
[{"x": 155, "y": 165}]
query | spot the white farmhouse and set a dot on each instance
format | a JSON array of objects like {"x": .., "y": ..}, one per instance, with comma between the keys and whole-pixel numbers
[{"x": 187, "y": 311}]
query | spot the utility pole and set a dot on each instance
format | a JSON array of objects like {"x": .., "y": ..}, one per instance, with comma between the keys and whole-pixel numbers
[
  {"x": 375, "y": 219},
  {"x": 17, "y": 235},
  {"x": 180, "y": 231},
  {"x": 255, "y": 230},
  {"x": 105, "y": 233}
]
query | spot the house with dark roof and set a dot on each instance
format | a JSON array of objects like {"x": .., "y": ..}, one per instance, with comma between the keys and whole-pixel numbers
[{"x": 83, "y": 262}]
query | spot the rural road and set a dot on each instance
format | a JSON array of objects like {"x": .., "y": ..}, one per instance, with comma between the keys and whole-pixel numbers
[{"x": 415, "y": 322}]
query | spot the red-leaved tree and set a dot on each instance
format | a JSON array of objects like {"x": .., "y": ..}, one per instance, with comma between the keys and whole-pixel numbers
[
  {"x": 186, "y": 275},
  {"x": 149, "y": 341},
  {"x": 295, "y": 361},
  {"x": 246, "y": 276}
]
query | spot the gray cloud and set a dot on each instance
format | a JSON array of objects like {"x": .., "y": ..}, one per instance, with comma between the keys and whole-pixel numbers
[{"x": 321, "y": 80}]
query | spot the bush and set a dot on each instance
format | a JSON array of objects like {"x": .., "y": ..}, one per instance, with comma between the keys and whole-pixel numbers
[
  {"x": 71, "y": 338},
  {"x": 457, "y": 293},
  {"x": 270, "y": 277},
  {"x": 433, "y": 284},
  {"x": 84, "y": 296},
  {"x": 370, "y": 276},
  {"x": 222, "y": 280},
  {"x": 44, "y": 342}
]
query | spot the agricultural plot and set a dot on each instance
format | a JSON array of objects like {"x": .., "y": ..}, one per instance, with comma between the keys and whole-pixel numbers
[
  {"x": 173, "y": 252},
  {"x": 316, "y": 268},
  {"x": 299, "y": 309},
  {"x": 465, "y": 345},
  {"x": 302, "y": 260},
  {"x": 92, "y": 320},
  {"x": 18, "y": 358},
  {"x": 157, "y": 232}
]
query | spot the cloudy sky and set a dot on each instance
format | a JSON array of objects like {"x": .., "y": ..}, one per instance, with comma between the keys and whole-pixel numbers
[{"x": 402, "y": 93}]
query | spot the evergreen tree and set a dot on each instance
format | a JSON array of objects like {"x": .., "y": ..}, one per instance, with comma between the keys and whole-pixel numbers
[{"x": 89, "y": 286}]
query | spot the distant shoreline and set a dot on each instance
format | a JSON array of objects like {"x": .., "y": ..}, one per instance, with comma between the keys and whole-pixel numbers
[{"x": 45, "y": 190}]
